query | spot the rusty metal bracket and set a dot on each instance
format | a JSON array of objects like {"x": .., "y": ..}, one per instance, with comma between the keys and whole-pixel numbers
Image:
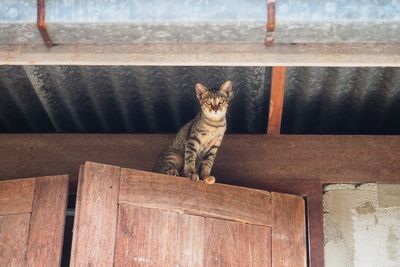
[
  {"x": 270, "y": 34},
  {"x": 41, "y": 24}
]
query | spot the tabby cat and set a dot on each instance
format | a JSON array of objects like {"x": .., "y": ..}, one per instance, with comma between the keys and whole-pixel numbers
[{"x": 194, "y": 148}]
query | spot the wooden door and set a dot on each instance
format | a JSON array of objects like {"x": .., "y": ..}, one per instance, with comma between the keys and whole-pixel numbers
[
  {"x": 127, "y": 217},
  {"x": 32, "y": 216}
]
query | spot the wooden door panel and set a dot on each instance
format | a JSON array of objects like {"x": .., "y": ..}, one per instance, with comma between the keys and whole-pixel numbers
[
  {"x": 158, "y": 220},
  {"x": 229, "y": 243},
  {"x": 151, "y": 237},
  {"x": 95, "y": 216},
  {"x": 14, "y": 231},
  {"x": 289, "y": 231},
  {"x": 32, "y": 221},
  {"x": 178, "y": 194},
  {"x": 16, "y": 196}
]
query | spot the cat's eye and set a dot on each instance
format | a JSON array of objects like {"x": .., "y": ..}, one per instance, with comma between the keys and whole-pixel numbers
[
  {"x": 208, "y": 102},
  {"x": 221, "y": 101}
]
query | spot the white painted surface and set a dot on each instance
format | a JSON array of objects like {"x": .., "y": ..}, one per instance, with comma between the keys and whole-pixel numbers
[{"x": 362, "y": 225}]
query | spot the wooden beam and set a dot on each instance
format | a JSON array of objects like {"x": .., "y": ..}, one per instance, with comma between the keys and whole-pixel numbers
[
  {"x": 277, "y": 95},
  {"x": 244, "y": 158},
  {"x": 349, "y": 55}
]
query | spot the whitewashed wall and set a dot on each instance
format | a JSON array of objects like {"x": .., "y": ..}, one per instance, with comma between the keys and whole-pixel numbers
[{"x": 362, "y": 225}]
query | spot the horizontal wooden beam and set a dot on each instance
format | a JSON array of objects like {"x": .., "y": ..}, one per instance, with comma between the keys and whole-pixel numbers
[
  {"x": 246, "y": 160},
  {"x": 355, "y": 55}
]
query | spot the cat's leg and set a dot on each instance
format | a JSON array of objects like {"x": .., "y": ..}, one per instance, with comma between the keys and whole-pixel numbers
[
  {"x": 189, "y": 169},
  {"x": 207, "y": 164}
]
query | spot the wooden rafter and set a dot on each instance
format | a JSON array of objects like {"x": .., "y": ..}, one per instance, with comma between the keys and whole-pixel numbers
[{"x": 276, "y": 100}]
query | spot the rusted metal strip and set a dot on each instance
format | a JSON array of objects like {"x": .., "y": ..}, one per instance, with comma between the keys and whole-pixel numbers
[
  {"x": 270, "y": 34},
  {"x": 42, "y": 26},
  {"x": 276, "y": 100}
]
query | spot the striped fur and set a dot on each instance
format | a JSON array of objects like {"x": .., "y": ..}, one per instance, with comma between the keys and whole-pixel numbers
[{"x": 192, "y": 152}]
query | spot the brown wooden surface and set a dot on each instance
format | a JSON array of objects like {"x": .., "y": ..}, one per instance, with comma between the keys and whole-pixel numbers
[
  {"x": 157, "y": 234},
  {"x": 14, "y": 231},
  {"x": 236, "y": 244},
  {"x": 151, "y": 237},
  {"x": 245, "y": 158},
  {"x": 288, "y": 231},
  {"x": 311, "y": 190},
  {"x": 94, "y": 234},
  {"x": 16, "y": 196},
  {"x": 356, "y": 55},
  {"x": 47, "y": 223},
  {"x": 276, "y": 100},
  {"x": 152, "y": 190}
]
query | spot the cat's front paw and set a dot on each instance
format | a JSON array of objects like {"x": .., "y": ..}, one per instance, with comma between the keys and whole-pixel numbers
[
  {"x": 172, "y": 172},
  {"x": 193, "y": 176},
  {"x": 209, "y": 179}
]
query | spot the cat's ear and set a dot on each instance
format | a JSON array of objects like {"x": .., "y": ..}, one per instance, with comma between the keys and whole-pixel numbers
[
  {"x": 200, "y": 90},
  {"x": 226, "y": 88}
]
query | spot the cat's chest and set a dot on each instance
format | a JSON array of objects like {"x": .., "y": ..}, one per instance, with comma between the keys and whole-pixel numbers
[{"x": 211, "y": 138}]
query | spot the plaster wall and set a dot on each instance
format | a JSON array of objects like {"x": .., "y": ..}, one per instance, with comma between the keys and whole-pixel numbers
[{"x": 362, "y": 225}]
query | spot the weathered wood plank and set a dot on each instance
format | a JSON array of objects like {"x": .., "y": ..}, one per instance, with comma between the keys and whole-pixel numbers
[
  {"x": 355, "y": 55},
  {"x": 243, "y": 159},
  {"x": 14, "y": 231},
  {"x": 276, "y": 100},
  {"x": 288, "y": 231},
  {"x": 47, "y": 223},
  {"x": 16, "y": 196},
  {"x": 145, "y": 189},
  {"x": 236, "y": 244},
  {"x": 150, "y": 237},
  {"x": 97, "y": 204},
  {"x": 77, "y": 216}
]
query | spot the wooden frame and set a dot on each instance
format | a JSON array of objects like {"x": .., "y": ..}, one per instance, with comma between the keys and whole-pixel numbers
[
  {"x": 290, "y": 164},
  {"x": 311, "y": 190},
  {"x": 338, "y": 55}
]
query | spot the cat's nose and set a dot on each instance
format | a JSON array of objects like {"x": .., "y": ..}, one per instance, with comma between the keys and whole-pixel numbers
[{"x": 215, "y": 108}]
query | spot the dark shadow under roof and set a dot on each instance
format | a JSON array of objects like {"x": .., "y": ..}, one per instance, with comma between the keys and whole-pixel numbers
[{"x": 108, "y": 99}]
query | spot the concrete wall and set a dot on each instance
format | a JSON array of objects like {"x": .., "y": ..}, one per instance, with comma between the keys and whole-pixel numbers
[{"x": 362, "y": 225}]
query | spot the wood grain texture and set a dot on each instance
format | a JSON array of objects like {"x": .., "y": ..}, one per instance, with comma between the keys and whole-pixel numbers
[
  {"x": 276, "y": 100},
  {"x": 14, "y": 231},
  {"x": 311, "y": 190},
  {"x": 338, "y": 55},
  {"x": 47, "y": 223},
  {"x": 94, "y": 242},
  {"x": 236, "y": 244},
  {"x": 164, "y": 192},
  {"x": 246, "y": 159},
  {"x": 16, "y": 196},
  {"x": 151, "y": 237},
  {"x": 288, "y": 231}
]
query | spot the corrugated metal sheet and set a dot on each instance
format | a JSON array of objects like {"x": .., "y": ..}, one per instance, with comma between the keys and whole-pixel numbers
[
  {"x": 124, "y": 99},
  {"x": 162, "y": 99},
  {"x": 342, "y": 101}
]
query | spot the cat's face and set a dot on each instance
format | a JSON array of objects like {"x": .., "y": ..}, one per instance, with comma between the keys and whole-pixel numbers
[{"x": 214, "y": 103}]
